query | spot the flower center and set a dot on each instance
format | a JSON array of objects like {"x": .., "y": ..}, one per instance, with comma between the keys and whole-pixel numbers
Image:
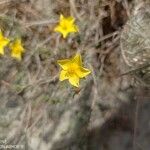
[
  {"x": 64, "y": 27},
  {"x": 16, "y": 50},
  {"x": 72, "y": 69}
]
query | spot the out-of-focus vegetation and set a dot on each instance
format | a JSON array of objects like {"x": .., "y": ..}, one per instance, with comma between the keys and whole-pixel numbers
[{"x": 108, "y": 112}]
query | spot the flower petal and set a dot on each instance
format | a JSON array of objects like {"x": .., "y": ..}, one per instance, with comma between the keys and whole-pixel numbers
[
  {"x": 77, "y": 59},
  {"x": 74, "y": 80},
  {"x": 66, "y": 25},
  {"x": 64, "y": 33},
  {"x": 70, "y": 20},
  {"x": 64, "y": 63},
  {"x": 16, "y": 49},
  {"x": 61, "y": 30},
  {"x": 82, "y": 72},
  {"x": 3, "y": 42},
  {"x": 63, "y": 75},
  {"x": 17, "y": 56},
  {"x": 61, "y": 17},
  {"x": 1, "y": 50},
  {"x": 73, "y": 28},
  {"x": 19, "y": 45},
  {"x": 58, "y": 28},
  {"x": 1, "y": 35},
  {"x": 76, "y": 28}
]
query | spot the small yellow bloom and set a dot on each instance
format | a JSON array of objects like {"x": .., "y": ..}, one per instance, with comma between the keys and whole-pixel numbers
[
  {"x": 72, "y": 70},
  {"x": 3, "y": 42},
  {"x": 16, "y": 49},
  {"x": 66, "y": 26}
]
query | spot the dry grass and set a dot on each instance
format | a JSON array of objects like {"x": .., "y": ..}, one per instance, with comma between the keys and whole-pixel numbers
[{"x": 42, "y": 112}]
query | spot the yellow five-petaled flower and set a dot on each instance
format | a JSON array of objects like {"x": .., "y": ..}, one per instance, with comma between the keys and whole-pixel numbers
[
  {"x": 72, "y": 70},
  {"x": 3, "y": 42},
  {"x": 16, "y": 49},
  {"x": 66, "y": 26}
]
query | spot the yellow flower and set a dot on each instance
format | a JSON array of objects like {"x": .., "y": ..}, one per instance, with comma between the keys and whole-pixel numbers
[
  {"x": 72, "y": 70},
  {"x": 3, "y": 42},
  {"x": 16, "y": 49},
  {"x": 66, "y": 26}
]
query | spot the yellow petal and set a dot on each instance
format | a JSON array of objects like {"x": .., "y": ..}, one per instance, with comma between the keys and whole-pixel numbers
[
  {"x": 70, "y": 20},
  {"x": 76, "y": 28},
  {"x": 58, "y": 28},
  {"x": 2, "y": 51},
  {"x": 61, "y": 30},
  {"x": 16, "y": 46},
  {"x": 61, "y": 17},
  {"x": 16, "y": 49},
  {"x": 74, "y": 80},
  {"x": 72, "y": 28},
  {"x": 1, "y": 34},
  {"x": 19, "y": 45},
  {"x": 67, "y": 19},
  {"x": 66, "y": 26},
  {"x": 77, "y": 59},
  {"x": 17, "y": 56},
  {"x": 3, "y": 42},
  {"x": 82, "y": 72},
  {"x": 63, "y": 75},
  {"x": 64, "y": 33},
  {"x": 64, "y": 63}
]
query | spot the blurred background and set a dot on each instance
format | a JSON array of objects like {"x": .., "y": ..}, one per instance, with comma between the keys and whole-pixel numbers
[{"x": 110, "y": 110}]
